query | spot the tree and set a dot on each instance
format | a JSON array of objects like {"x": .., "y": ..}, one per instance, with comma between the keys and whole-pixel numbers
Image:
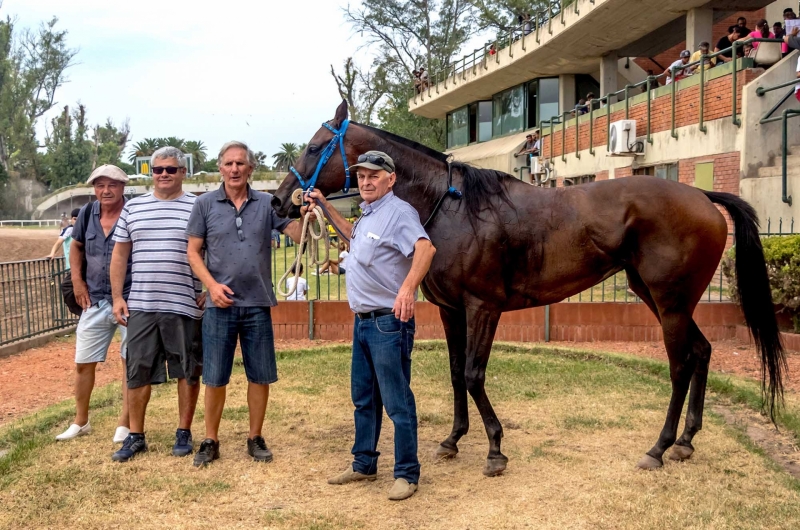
[
  {"x": 261, "y": 160},
  {"x": 69, "y": 151},
  {"x": 503, "y": 15},
  {"x": 33, "y": 69},
  {"x": 109, "y": 142},
  {"x": 197, "y": 150},
  {"x": 145, "y": 147},
  {"x": 286, "y": 156},
  {"x": 362, "y": 90},
  {"x": 409, "y": 35}
]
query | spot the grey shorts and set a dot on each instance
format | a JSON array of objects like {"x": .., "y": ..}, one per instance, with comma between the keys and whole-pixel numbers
[{"x": 161, "y": 344}]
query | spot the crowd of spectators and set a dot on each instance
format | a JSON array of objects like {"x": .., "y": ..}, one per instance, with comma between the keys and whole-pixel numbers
[{"x": 421, "y": 81}]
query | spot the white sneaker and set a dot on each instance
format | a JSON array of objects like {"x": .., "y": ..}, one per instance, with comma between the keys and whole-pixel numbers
[
  {"x": 74, "y": 431},
  {"x": 120, "y": 434}
]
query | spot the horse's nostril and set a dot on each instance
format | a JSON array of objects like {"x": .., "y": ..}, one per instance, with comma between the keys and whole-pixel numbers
[{"x": 276, "y": 202}]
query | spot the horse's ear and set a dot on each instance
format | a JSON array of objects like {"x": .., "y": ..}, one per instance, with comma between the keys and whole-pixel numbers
[{"x": 341, "y": 114}]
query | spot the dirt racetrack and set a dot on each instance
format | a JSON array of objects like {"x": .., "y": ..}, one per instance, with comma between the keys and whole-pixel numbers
[{"x": 18, "y": 244}]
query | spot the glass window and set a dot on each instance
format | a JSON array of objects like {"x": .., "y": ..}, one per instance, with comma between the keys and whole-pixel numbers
[
  {"x": 667, "y": 172},
  {"x": 473, "y": 123},
  {"x": 533, "y": 105},
  {"x": 458, "y": 128},
  {"x": 548, "y": 98},
  {"x": 509, "y": 111},
  {"x": 484, "y": 121}
]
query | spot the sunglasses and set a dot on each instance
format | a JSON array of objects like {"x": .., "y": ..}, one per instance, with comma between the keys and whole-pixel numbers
[
  {"x": 171, "y": 170},
  {"x": 377, "y": 160},
  {"x": 239, "y": 228}
]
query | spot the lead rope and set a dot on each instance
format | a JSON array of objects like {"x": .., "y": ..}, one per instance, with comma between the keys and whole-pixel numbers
[{"x": 307, "y": 235}]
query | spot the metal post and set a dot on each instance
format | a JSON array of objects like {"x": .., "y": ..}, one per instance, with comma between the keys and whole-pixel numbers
[
  {"x": 650, "y": 78},
  {"x": 577, "y": 135},
  {"x": 672, "y": 126},
  {"x": 627, "y": 102},
  {"x": 702, "y": 126},
  {"x": 510, "y": 43},
  {"x": 564, "y": 137},
  {"x": 591, "y": 129},
  {"x": 552, "y": 147},
  {"x": 547, "y": 323},
  {"x": 736, "y": 120},
  {"x": 550, "y": 16},
  {"x": 787, "y": 113},
  {"x": 608, "y": 121},
  {"x": 311, "y": 319},
  {"x": 537, "y": 27}
]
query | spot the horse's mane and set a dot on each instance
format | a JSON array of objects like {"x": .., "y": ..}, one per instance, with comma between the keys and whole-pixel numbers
[{"x": 479, "y": 184}]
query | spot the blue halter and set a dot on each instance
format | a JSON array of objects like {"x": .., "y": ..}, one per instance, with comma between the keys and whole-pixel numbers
[{"x": 338, "y": 137}]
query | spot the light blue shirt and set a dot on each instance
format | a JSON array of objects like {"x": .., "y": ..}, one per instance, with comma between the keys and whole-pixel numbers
[{"x": 381, "y": 252}]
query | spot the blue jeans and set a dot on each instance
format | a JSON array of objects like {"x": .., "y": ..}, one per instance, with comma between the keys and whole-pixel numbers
[
  {"x": 253, "y": 327},
  {"x": 381, "y": 377}
]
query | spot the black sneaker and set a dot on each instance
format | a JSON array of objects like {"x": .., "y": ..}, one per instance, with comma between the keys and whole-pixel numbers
[
  {"x": 257, "y": 448},
  {"x": 133, "y": 444},
  {"x": 208, "y": 452},
  {"x": 183, "y": 443}
]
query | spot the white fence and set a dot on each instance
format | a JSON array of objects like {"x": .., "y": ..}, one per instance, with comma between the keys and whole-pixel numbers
[{"x": 28, "y": 222}]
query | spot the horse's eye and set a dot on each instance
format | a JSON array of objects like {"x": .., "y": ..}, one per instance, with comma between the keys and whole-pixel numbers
[{"x": 313, "y": 149}]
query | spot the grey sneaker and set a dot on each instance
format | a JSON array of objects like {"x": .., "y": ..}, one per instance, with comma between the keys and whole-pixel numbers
[
  {"x": 257, "y": 448},
  {"x": 350, "y": 476},
  {"x": 402, "y": 490}
]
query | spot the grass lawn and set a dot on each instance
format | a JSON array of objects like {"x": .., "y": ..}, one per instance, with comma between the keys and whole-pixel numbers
[
  {"x": 331, "y": 287},
  {"x": 575, "y": 426}
]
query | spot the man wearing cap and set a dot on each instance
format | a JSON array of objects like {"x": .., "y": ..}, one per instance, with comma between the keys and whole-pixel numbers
[
  {"x": 234, "y": 224},
  {"x": 390, "y": 253},
  {"x": 90, "y": 259},
  {"x": 65, "y": 238},
  {"x": 674, "y": 72},
  {"x": 166, "y": 302}
]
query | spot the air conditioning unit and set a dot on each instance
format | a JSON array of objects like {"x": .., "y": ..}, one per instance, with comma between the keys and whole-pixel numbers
[
  {"x": 537, "y": 166},
  {"x": 622, "y": 141}
]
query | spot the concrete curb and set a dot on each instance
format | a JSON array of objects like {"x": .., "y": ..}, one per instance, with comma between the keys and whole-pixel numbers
[{"x": 34, "y": 342}]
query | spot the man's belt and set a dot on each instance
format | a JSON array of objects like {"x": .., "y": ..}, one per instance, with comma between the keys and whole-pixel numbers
[{"x": 375, "y": 314}]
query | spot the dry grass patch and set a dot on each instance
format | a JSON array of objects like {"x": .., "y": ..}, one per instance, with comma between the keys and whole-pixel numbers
[{"x": 574, "y": 429}]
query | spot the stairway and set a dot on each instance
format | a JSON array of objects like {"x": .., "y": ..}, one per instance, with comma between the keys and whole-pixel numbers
[{"x": 792, "y": 165}]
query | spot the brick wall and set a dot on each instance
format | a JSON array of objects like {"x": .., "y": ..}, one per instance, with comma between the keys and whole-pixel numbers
[
  {"x": 573, "y": 322},
  {"x": 717, "y": 104},
  {"x": 667, "y": 57}
]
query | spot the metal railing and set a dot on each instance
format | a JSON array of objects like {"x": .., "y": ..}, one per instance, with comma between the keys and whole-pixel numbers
[
  {"x": 28, "y": 222},
  {"x": 650, "y": 84},
  {"x": 30, "y": 299},
  {"x": 784, "y": 118},
  {"x": 541, "y": 21}
]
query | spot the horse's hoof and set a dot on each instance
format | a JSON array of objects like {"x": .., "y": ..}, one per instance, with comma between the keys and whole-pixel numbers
[
  {"x": 679, "y": 453},
  {"x": 648, "y": 463},
  {"x": 445, "y": 453},
  {"x": 495, "y": 466}
]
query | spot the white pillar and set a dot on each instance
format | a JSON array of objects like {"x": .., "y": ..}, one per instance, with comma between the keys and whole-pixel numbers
[
  {"x": 566, "y": 92},
  {"x": 699, "y": 27},
  {"x": 608, "y": 74}
]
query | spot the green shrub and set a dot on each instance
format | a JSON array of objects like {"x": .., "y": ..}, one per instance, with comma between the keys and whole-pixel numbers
[{"x": 782, "y": 254}]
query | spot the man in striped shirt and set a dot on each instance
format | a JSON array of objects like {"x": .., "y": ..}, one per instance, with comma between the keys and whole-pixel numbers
[{"x": 165, "y": 306}]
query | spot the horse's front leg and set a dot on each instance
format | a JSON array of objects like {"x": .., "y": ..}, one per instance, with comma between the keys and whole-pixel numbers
[{"x": 455, "y": 328}]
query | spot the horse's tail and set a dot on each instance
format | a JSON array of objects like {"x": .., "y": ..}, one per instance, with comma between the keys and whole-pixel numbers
[{"x": 752, "y": 283}]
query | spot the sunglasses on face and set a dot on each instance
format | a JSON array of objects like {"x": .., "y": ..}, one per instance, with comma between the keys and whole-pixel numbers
[
  {"x": 171, "y": 170},
  {"x": 377, "y": 160}
]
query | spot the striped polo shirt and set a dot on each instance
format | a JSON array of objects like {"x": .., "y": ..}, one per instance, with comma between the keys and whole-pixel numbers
[{"x": 163, "y": 282}]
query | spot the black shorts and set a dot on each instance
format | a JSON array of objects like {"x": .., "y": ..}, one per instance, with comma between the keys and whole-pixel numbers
[{"x": 161, "y": 344}]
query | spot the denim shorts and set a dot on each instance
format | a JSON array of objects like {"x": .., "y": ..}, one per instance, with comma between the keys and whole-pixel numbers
[
  {"x": 162, "y": 344},
  {"x": 96, "y": 329},
  {"x": 252, "y": 326}
]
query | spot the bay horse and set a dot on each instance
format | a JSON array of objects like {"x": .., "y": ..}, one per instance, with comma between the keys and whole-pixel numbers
[{"x": 507, "y": 245}]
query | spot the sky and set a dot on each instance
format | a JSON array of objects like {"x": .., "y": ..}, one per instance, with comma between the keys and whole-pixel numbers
[{"x": 254, "y": 71}]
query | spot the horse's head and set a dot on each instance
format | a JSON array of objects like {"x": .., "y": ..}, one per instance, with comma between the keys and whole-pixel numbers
[{"x": 331, "y": 177}]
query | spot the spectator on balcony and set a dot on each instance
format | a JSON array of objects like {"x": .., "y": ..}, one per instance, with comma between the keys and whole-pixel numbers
[
  {"x": 591, "y": 101},
  {"x": 792, "y": 40},
  {"x": 527, "y": 26},
  {"x": 675, "y": 72},
  {"x": 797, "y": 87},
  {"x": 743, "y": 29},
  {"x": 580, "y": 108},
  {"x": 492, "y": 50},
  {"x": 762, "y": 32},
  {"x": 423, "y": 76},
  {"x": 726, "y": 43},
  {"x": 527, "y": 147},
  {"x": 789, "y": 14},
  {"x": 417, "y": 82},
  {"x": 780, "y": 32},
  {"x": 702, "y": 49}
]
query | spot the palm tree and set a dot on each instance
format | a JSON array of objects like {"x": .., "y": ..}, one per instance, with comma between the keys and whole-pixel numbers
[
  {"x": 197, "y": 150},
  {"x": 286, "y": 156},
  {"x": 261, "y": 159},
  {"x": 173, "y": 141},
  {"x": 144, "y": 147}
]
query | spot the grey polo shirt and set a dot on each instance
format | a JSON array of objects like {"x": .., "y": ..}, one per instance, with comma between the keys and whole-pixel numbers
[
  {"x": 243, "y": 265},
  {"x": 97, "y": 248},
  {"x": 381, "y": 252}
]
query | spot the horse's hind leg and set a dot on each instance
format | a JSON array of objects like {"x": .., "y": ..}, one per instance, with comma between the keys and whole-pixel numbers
[
  {"x": 676, "y": 327},
  {"x": 701, "y": 349},
  {"x": 455, "y": 328},
  {"x": 481, "y": 327}
]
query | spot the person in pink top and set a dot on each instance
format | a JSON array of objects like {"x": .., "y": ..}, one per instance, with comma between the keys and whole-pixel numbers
[{"x": 762, "y": 32}]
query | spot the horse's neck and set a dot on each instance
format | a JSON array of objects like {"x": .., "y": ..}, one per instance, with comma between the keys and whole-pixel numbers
[{"x": 421, "y": 180}]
